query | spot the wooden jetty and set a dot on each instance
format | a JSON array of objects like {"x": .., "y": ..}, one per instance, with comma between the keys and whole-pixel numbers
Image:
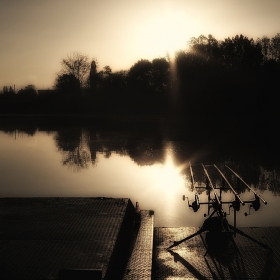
[
  {"x": 99, "y": 238},
  {"x": 69, "y": 238}
]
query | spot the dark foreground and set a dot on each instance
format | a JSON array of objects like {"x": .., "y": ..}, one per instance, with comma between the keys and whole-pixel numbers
[
  {"x": 255, "y": 255},
  {"x": 41, "y": 236},
  {"x": 73, "y": 238},
  {"x": 83, "y": 238}
]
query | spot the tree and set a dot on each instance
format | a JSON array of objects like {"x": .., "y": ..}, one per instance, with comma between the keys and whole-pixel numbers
[
  {"x": 275, "y": 47},
  {"x": 161, "y": 74},
  {"x": 205, "y": 47},
  {"x": 11, "y": 91},
  {"x": 241, "y": 52},
  {"x": 77, "y": 65},
  {"x": 265, "y": 46},
  {"x": 5, "y": 90},
  {"x": 67, "y": 84},
  {"x": 200, "y": 40},
  {"x": 105, "y": 77},
  {"x": 28, "y": 92},
  {"x": 93, "y": 77},
  {"x": 107, "y": 70},
  {"x": 140, "y": 75},
  {"x": 119, "y": 80}
]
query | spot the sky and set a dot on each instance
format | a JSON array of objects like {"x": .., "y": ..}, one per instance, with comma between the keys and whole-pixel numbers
[{"x": 35, "y": 35}]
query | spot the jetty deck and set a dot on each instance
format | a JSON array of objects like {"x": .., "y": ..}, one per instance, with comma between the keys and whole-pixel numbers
[
  {"x": 57, "y": 238},
  {"x": 254, "y": 255},
  {"x": 98, "y": 238}
]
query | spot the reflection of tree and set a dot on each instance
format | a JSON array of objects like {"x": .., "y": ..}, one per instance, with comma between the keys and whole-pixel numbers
[
  {"x": 68, "y": 139},
  {"x": 146, "y": 152},
  {"x": 77, "y": 159},
  {"x": 79, "y": 147},
  {"x": 106, "y": 143},
  {"x": 269, "y": 180},
  {"x": 74, "y": 146},
  {"x": 20, "y": 132},
  {"x": 143, "y": 152}
]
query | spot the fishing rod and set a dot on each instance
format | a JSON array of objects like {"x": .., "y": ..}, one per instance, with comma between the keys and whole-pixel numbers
[
  {"x": 219, "y": 224},
  {"x": 217, "y": 200},
  {"x": 192, "y": 176},
  {"x": 233, "y": 190},
  {"x": 256, "y": 194}
]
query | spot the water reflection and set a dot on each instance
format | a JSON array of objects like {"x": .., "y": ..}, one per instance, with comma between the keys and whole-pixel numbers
[
  {"x": 79, "y": 148},
  {"x": 121, "y": 163},
  {"x": 74, "y": 146}
]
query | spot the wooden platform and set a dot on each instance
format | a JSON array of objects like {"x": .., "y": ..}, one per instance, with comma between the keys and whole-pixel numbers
[
  {"x": 41, "y": 236},
  {"x": 139, "y": 266},
  {"x": 60, "y": 238},
  {"x": 254, "y": 255}
]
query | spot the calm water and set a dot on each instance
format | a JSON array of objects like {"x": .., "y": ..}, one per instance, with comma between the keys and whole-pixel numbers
[{"x": 154, "y": 172}]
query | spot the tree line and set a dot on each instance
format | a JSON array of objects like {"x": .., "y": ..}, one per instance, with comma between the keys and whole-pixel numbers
[{"x": 212, "y": 84}]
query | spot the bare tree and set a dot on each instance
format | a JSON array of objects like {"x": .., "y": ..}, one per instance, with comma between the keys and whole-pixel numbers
[{"x": 78, "y": 65}]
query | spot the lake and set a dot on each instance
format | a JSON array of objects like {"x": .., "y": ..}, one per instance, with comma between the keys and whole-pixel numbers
[{"x": 90, "y": 161}]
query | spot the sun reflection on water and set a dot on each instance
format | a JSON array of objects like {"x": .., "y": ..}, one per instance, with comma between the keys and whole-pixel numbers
[{"x": 154, "y": 173}]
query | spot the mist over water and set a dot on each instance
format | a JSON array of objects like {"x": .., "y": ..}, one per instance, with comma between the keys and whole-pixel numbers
[{"x": 140, "y": 164}]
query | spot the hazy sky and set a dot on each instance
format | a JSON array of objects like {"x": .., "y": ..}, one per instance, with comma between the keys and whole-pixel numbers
[{"x": 37, "y": 34}]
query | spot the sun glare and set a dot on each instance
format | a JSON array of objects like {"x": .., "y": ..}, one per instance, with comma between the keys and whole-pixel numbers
[
  {"x": 165, "y": 33},
  {"x": 168, "y": 176}
]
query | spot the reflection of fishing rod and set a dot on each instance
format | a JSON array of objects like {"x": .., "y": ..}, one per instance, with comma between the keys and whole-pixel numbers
[
  {"x": 233, "y": 190},
  {"x": 217, "y": 200},
  {"x": 256, "y": 194}
]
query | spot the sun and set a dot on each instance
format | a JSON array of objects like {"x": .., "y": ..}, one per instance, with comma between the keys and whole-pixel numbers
[{"x": 164, "y": 33}]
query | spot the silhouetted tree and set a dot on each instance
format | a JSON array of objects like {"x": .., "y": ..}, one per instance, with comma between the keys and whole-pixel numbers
[
  {"x": 275, "y": 48},
  {"x": 5, "y": 89},
  {"x": 241, "y": 52},
  {"x": 78, "y": 65},
  {"x": 119, "y": 80},
  {"x": 112, "y": 82},
  {"x": 8, "y": 90},
  {"x": 93, "y": 77},
  {"x": 11, "y": 91},
  {"x": 28, "y": 92},
  {"x": 198, "y": 46},
  {"x": 161, "y": 78},
  {"x": 107, "y": 70},
  {"x": 191, "y": 70},
  {"x": 104, "y": 78},
  {"x": 67, "y": 84},
  {"x": 207, "y": 47},
  {"x": 140, "y": 75},
  {"x": 265, "y": 46}
]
